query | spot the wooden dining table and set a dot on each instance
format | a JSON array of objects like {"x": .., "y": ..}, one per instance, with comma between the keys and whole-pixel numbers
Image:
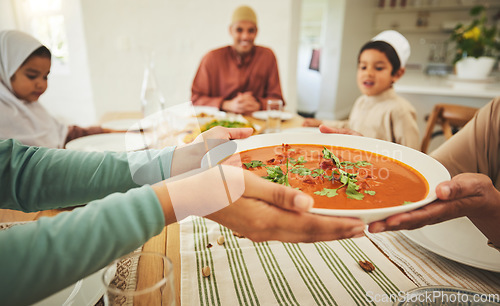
[{"x": 167, "y": 242}]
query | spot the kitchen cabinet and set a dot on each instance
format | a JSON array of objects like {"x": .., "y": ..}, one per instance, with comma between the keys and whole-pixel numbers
[{"x": 440, "y": 17}]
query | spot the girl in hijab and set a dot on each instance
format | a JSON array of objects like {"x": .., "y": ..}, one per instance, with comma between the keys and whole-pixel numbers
[{"x": 24, "y": 68}]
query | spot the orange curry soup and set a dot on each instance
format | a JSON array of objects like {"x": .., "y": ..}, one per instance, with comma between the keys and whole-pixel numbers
[{"x": 354, "y": 179}]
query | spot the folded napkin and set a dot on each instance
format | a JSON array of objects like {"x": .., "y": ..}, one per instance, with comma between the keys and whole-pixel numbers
[
  {"x": 273, "y": 273},
  {"x": 426, "y": 268}
]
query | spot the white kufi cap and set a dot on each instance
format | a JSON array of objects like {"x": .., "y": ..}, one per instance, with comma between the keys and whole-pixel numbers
[{"x": 398, "y": 42}]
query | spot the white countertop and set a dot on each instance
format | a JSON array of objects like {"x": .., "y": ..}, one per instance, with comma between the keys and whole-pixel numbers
[{"x": 416, "y": 82}]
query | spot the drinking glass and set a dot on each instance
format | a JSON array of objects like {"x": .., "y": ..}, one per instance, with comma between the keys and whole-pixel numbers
[
  {"x": 140, "y": 278},
  {"x": 274, "y": 113}
]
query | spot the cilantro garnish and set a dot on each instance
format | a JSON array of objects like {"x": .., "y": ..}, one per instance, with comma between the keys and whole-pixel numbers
[
  {"x": 407, "y": 202},
  {"x": 352, "y": 191},
  {"x": 254, "y": 164},
  {"x": 301, "y": 171},
  {"x": 358, "y": 164},
  {"x": 275, "y": 174},
  {"x": 327, "y": 192},
  {"x": 327, "y": 154},
  {"x": 346, "y": 178},
  {"x": 362, "y": 163},
  {"x": 301, "y": 160},
  {"x": 317, "y": 172}
]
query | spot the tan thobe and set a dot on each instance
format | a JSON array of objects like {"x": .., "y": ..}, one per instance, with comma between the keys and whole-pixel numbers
[
  {"x": 476, "y": 147},
  {"x": 223, "y": 73},
  {"x": 386, "y": 116}
]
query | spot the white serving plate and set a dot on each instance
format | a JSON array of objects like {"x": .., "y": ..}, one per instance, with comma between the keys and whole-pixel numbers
[
  {"x": 431, "y": 169},
  {"x": 208, "y": 110},
  {"x": 458, "y": 240},
  {"x": 126, "y": 124},
  {"x": 445, "y": 295},
  {"x": 87, "y": 291},
  {"x": 116, "y": 142},
  {"x": 262, "y": 115},
  {"x": 302, "y": 130}
]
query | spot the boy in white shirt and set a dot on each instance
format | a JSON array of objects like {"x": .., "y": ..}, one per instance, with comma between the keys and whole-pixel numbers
[{"x": 380, "y": 112}]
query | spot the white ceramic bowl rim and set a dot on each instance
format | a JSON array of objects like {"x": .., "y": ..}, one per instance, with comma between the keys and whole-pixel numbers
[{"x": 430, "y": 168}]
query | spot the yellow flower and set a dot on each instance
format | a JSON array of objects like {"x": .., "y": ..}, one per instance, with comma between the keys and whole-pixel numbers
[
  {"x": 478, "y": 38},
  {"x": 473, "y": 33}
]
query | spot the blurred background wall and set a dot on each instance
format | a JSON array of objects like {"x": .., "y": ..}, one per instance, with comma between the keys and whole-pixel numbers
[
  {"x": 100, "y": 47},
  {"x": 108, "y": 40}
]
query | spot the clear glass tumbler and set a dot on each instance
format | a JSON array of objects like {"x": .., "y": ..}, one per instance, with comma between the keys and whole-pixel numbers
[
  {"x": 274, "y": 113},
  {"x": 140, "y": 278}
]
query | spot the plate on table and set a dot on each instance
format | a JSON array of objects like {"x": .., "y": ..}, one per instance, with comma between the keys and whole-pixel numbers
[
  {"x": 126, "y": 124},
  {"x": 445, "y": 295},
  {"x": 87, "y": 291},
  {"x": 208, "y": 111},
  {"x": 205, "y": 114},
  {"x": 302, "y": 130},
  {"x": 262, "y": 115},
  {"x": 430, "y": 169},
  {"x": 458, "y": 240},
  {"x": 117, "y": 142},
  {"x": 229, "y": 121}
]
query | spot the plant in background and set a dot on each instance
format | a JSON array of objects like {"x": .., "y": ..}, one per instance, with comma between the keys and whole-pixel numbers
[{"x": 476, "y": 39}]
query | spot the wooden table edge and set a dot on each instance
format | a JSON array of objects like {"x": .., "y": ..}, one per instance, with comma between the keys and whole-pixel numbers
[{"x": 173, "y": 252}]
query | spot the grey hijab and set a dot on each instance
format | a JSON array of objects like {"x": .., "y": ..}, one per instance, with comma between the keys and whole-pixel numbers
[{"x": 27, "y": 122}]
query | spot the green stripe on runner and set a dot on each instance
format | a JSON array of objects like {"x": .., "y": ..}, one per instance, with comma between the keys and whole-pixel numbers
[
  {"x": 391, "y": 287},
  {"x": 342, "y": 273},
  {"x": 212, "y": 279},
  {"x": 202, "y": 288},
  {"x": 309, "y": 276},
  {"x": 271, "y": 277},
  {"x": 306, "y": 281},
  {"x": 235, "y": 257},
  {"x": 275, "y": 276},
  {"x": 377, "y": 275},
  {"x": 283, "y": 278},
  {"x": 207, "y": 286},
  {"x": 195, "y": 239},
  {"x": 227, "y": 235},
  {"x": 318, "y": 281}
]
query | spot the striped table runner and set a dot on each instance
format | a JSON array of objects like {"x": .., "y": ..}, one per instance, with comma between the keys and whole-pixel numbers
[
  {"x": 426, "y": 268},
  {"x": 272, "y": 273}
]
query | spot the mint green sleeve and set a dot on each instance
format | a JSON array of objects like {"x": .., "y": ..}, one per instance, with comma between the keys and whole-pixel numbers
[
  {"x": 34, "y": 179},
  {"x": 40, "y": 258}
]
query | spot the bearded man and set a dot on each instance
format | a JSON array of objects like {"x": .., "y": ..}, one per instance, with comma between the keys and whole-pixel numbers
[{"x": 239, "y": 78}]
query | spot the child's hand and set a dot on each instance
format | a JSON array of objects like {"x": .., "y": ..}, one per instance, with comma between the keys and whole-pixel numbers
[
  {"x": 330, "y": 130},
  {"x": 188, "y": 157},
  {"x": 312, "y": 122}
]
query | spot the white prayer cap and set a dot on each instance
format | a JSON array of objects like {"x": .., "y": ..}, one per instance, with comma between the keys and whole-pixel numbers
[{"x": 398, "y": 42}]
